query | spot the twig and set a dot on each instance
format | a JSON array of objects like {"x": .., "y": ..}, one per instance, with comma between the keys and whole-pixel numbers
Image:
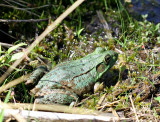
[
  {"x": 62, "y": 117},
  {"x": 115, "y": 113},
  {"x": 39, "y": 7},
  {"x": 108, "y": 104},
  {"x": 13, "y": 83},
  {"x": 29, "y": 20},
  {"x": 105, "y": 24},
  {"x": 23, "y": 1},
  {"x": 55, "y": 108},
  {"x": 9, "y": 45},
  {"x": 101, "y": 99},
  {"x": 22, "y": 9},
  {"x": 16, "y": 115},
  {"x": 135, "y": 112},
  {"x": 39, "y": 38},
  {"x": 7, "y": 34},
  {"x": 59, "y": 108},
  {"x": 6, "y": 44},
  {"x": 13, "y": 1}
]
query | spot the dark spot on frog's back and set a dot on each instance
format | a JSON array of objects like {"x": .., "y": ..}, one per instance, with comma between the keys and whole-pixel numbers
[
  {"x": 79, "y": 81},
  {"x": 50, "y": 74},
  {"x": 69, "y": 84},
  {"x": 73, "y": 84},
  {"x": 63, "y": 83},
  {"x": 82, "y": 69}
]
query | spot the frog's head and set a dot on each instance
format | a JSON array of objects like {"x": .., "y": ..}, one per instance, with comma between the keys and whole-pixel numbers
[{"x": 107, "y": 60}]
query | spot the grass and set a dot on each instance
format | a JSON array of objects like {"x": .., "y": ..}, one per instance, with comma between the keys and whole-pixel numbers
[
  {"x": 5, "y": 101},
  {"x": 137, "y": 65}
]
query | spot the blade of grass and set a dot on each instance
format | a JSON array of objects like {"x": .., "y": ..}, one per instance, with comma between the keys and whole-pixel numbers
[{"x": 0, "y": 50}]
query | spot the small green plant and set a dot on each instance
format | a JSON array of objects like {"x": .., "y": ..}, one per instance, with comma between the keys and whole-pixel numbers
[
  {"x": 8, "y": 57},
  {"x": 157, "y": 98},
  {"x": 5, "y": 101},
  {"x": 79, "y": 32}
]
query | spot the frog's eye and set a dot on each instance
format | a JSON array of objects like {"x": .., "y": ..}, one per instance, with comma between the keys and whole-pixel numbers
[{"x": 107, "y": 58}]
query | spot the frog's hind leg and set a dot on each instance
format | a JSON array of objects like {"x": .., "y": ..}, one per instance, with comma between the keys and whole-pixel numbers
[{"x": 59, "y": 96}]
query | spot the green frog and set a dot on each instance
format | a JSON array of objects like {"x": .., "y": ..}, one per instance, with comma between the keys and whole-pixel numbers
[{"x": 69, "y": 80}]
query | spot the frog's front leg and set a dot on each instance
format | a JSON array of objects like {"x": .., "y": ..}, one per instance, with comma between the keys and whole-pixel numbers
[
  {"x": 59, "y": 96},
  {"x": 37, "y": 74}
]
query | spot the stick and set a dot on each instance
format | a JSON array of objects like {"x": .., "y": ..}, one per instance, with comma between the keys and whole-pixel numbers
[
  {"x": 14, "y": 82},
  {"x": 61, "y": 117},
  {"x": 16, "y": 115},
  {"x": 87, "y": 114},
  {"x": 29, "y": 20},
  {"x": 134, "y": 108}
]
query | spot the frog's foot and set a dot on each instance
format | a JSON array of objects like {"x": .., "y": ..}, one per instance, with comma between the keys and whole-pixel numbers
[
  {"x": 35, "y": 90},
  {"x": 36, "y": 75},
  {"x": 59, "y": 96}
]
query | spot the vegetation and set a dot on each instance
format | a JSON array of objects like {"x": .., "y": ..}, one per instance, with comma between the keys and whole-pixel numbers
[{"x": 136, "y": 74}]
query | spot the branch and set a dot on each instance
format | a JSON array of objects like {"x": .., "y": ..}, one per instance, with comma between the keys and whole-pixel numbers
[
  {"x": 29, "y": 20},
  {"x": 14, "y": 82},
  {"x": 7, "y": 34},
  {"x": 50, "y": 116},
  {"x": 22, "y": 9},
  {"x": 43, "y": 116}
]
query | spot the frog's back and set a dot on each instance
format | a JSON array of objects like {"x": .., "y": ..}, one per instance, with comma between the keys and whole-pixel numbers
[
  {"x": 71, "y": 68},
  {"x": 68, "y": 70},
  {"x": 71, "y": 71}
]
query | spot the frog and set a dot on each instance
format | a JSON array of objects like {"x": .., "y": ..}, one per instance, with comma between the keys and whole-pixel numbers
[{"x": 69, "y": 80}]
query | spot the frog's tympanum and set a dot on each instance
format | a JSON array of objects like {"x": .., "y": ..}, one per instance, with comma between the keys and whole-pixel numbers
[{"x": 71, "y": 79}]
